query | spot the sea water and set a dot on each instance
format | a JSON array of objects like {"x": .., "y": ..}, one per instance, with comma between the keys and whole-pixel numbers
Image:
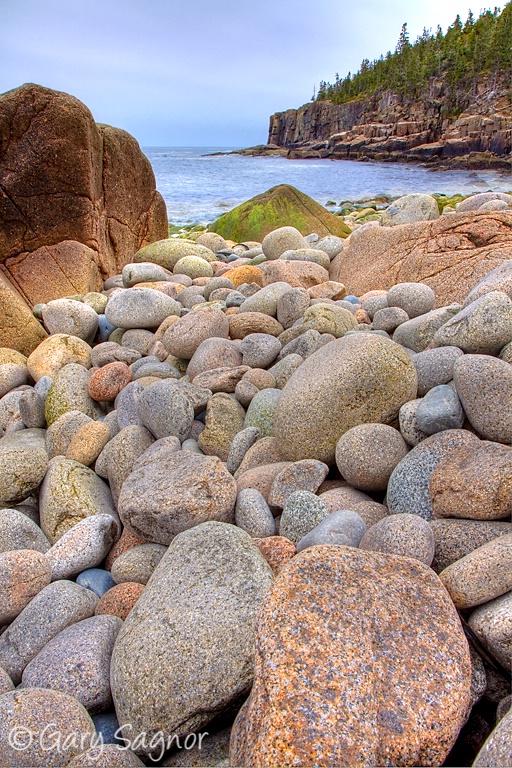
[{"x": 198, "y": 186}]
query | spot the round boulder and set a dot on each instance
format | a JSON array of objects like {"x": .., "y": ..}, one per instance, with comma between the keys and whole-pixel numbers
[{"x": 360, "y": 378}]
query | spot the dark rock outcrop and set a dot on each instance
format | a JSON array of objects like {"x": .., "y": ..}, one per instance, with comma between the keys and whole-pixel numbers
[
  {"x": 392, "y": 126},
  {"x": 77, "y": 200}
]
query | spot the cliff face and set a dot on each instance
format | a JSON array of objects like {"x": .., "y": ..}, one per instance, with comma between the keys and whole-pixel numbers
[{"x": 392, "y": 126}]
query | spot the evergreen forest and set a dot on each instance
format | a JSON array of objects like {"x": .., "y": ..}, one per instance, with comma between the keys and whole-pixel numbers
[{"x": 460, "y": 56}]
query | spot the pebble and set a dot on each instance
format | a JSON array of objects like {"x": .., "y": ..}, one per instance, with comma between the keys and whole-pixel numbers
[
  {"x": 214, "y": 353},
  {"x": 355, "y": 379},
  {"x": 224, "y": 419},
  {"x": 221, "y": 379},
  {"x": 474, "y": 482},
  {"x": 456, "y": 538},
  {"x": 484, "y": 385},
  {"x": 409, "y": 428},
  {"x": 342, "y": 528},
  {"x": 280, "y": 240},
  {"x": 242, "y": 324},
  {"x": 266, "y": 299},
  {"x": 417, "y": 334},
  {"x": 306, "y": 475},
  {"x": 61, "y": 509},
  {"x": 111, "y": 756},
  {"x": 23, "y": 573},
  {"x": 277, "y": 551},
  {"x": 240, "y": 444},
  {"x": 106, "y": 383},
  {"x": 408, "y": 487},
  {"x": 252, "y": 514},
  {"x": 126, "y": 541},
  {"x": 261, "y": 411},
  {"x": 492, "y": 623},
  {"x": 143, "y": 272},
  {"x": 13, "y": 375},
  {"x": 482, "y": 575},
  {"x": 140, "y": 308},
  {"x": 49, "y": 717},
  {"x": 481, "y": 328},
  {"x": 72, "y": 317},
  {"x": 17, "y": 531},
  {"x": 55, "y": 352},
  {"x": 329, "y": 318},
  {"x": 406, "y": 535},
  {"x": 263, "y": 451},
  {"x": 389, "y": 318},
  {"x": 96, "y": 579},
  {"x": 83, "y": 546},
  {"x": 69, "y": 392},
  {"x": 435, "y": 366},
  {"x": 184, "y": 336},
  {"x": 126, "y": 404},
  {"x": 259, "y": 350},
  {"x": 291, "y": 306},
  {"x": 366, "y": 455},
  {"x": 165, "y": 497},
  {"x": 439, "y": 410},
  {"x": 415, "y": 299},
  {"x": 87, "y": 443},
  {"x": 137, "y": 564},
  {"x": 77, "y": 662},
  {"x": 119, "y": 599},
  {"x": 321, "y": 698},
  {"x": 138, "y": 339},
  {"x": 23, "y": 464},
  {"x": 165, "y": 410},
  {"x": 110, "y": 352},
  {"x": 302, "y": 512},
  {"x": 54, "y": 608},
  {"x": 31, "y": 405}
]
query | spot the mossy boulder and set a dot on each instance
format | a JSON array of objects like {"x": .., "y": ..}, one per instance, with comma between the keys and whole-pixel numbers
[{"x": 278, "y": 207}]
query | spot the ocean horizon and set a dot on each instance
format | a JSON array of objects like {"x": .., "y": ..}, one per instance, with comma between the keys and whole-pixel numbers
[{"x": 198, "y": 185}]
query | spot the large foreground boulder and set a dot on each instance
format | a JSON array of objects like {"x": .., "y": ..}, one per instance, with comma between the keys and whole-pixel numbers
[
  {"x": 185, "y": 652},
  {"x": 450, "y": 254},
  {"x": 280, "y": 206},
  {"x": 77, "y": 201},
  {"x": 391, "y": 685}
]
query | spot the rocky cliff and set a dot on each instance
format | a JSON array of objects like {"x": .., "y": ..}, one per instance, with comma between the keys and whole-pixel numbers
[{"x": 392, "y": 126}]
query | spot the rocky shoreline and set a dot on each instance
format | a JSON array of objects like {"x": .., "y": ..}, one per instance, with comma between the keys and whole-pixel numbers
[{"x": 252, "y": 514}]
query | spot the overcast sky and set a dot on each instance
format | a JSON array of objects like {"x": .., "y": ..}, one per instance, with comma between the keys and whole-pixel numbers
[{"x": 200, "y": 72}]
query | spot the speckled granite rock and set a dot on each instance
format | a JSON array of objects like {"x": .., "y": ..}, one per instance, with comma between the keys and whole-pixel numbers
[
  {"x": 351, "y": 706},
  {"x": 71, "y": 492},
  {"x": 214, "y": 571},
  {"x": 168, "y": 495},
  {"x": 497, "y": 748},
  {"x": 359, "y": 378},
  {"x": 213, "y": 752},
  {"x": 405, "y": 535},
  {"x": 106, "y": 755},
  {"x": 366, "y": 455},
  {"x": 277, "y": 551},
  {"x": 474, "y": 482},
  {"x": 23, "y": 573},
  {"x": 47, "y": 714},
  {"x": 77, "y": 662},
  {"x": 492, "y": 623},
  {"x": 408, "y": 487},
  {"x": 56, "y": 607},
  {"x": 23, "y": 463},
  {"x": 224, "y": 419},
  {"x": 482, "y": 575},
  {"x": 305, "y": 475},
  {"x": 457, "y": 538},
  {"x": 484, "y": 385}
]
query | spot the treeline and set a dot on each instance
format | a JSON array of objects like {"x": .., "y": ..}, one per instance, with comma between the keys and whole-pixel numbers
[{"x": 466, "y": 51}]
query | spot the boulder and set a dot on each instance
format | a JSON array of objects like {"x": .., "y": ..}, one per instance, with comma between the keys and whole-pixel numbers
[
  {"x": 108, "y": 206},
  {"x": 278, "y": 207},
  {"x": 392, "y": 648},
  {"x": 360, "y": 378},
  {"x": 197, "y": 615},
  {"x": 450, "y": 254}
]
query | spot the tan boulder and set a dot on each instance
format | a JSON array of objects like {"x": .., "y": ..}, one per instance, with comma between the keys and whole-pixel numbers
[
  {"x": 19, "y": 329},
  {"x": 451, "y": 254},
  {"x": 79, "y": 200}
]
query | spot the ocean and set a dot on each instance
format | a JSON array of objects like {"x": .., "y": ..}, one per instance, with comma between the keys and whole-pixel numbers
[{"x": 198, "y": 187}]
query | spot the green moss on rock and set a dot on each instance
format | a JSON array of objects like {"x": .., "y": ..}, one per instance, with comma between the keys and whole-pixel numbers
[{"x": 280, "y": 206}]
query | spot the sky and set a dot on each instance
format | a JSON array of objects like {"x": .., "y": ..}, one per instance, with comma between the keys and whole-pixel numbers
[{"x": 203, "y": 73}]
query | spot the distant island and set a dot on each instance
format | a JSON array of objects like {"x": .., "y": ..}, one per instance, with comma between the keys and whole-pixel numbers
[{"x": 445, "y": 99}]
